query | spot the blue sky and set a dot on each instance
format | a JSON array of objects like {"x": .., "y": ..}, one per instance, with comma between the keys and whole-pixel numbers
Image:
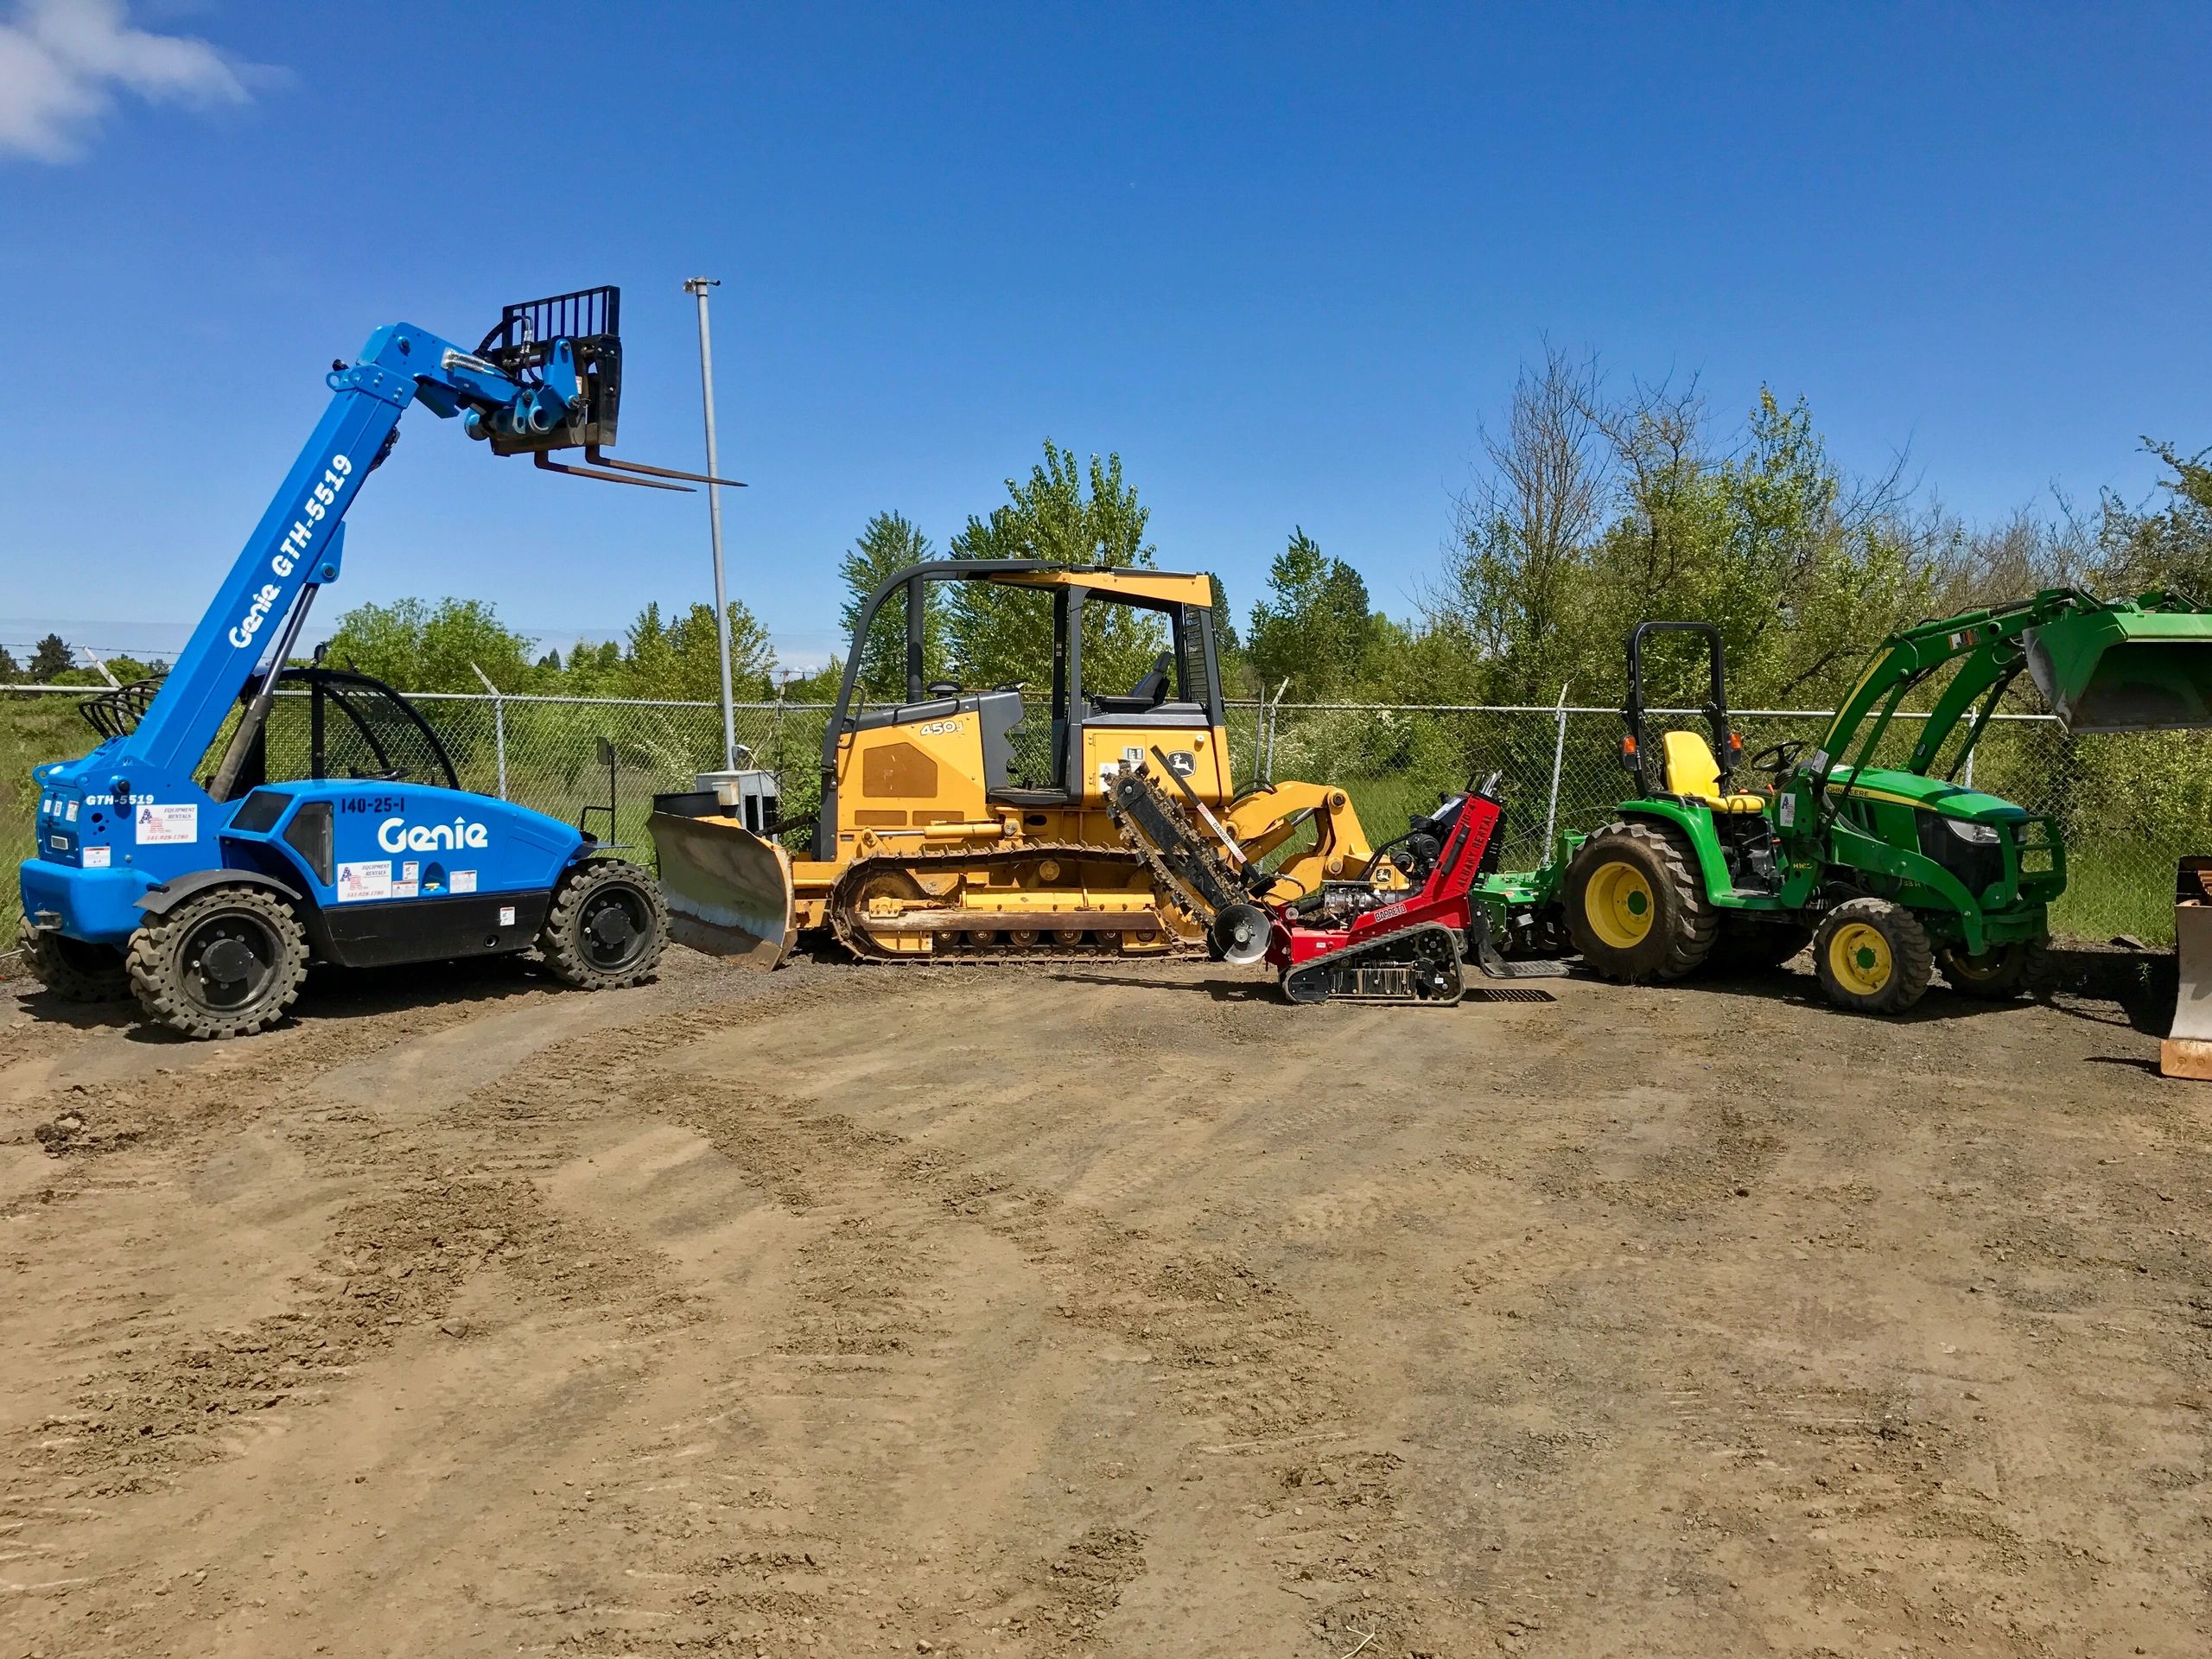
[{"x": 1284, "y": 259}]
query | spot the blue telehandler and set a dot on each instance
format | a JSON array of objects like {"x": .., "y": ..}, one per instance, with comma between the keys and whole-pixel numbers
[{"x": 206, "y": 893}]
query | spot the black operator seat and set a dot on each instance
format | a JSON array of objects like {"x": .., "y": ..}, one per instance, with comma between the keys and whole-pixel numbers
[{"x": 1146, "y": 695}]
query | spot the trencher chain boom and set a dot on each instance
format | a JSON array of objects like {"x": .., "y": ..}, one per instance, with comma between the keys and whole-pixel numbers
[{"x": 206, "y": 893}]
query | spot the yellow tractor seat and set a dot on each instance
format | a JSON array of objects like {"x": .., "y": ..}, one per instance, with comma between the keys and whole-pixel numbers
[{"x": 1693, "y": 774}]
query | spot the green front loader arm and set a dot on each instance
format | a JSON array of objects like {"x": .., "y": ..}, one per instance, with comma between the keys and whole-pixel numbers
[{"x": 2149, "y": 657}]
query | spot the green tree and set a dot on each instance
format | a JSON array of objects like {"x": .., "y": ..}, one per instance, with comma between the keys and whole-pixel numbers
[
  {"x": 681, "y": 659},
  {"x": 592, "y": 670},
  {"x": 128, "y": 670},
  {"x": 1237, "y": 679},
  {"x": 1803, "y": 569},
  {"x": 419, "y": 647},
  {"x": 889, "y": 544},
  {"x": 1063, "y": 513},
  {"x": 1315, "y": 626},
  {"x": 1523, "y": 533},
  {"x": 49, "y": 657},
  {"x": 1224, "y": 618},
  {"x": 1594, "y": 513},
  {"x": 11, "y": 669},
  {"x": 2171, "y": 547}
]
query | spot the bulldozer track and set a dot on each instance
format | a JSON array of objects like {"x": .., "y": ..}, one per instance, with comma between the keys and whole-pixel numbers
[{"x": 851, "y": 932}]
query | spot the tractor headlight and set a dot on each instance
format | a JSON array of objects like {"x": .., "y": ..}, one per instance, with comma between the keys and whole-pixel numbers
[{"x": 1978, "y": 835}]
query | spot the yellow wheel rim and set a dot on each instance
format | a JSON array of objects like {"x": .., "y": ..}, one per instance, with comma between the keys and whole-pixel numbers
[
  {"x": 1618, "y": 905},
  {"x": 1858, "y": 956}
]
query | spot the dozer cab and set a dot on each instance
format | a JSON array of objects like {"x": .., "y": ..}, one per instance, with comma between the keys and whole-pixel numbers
[
  {"x": 971, "y": 821},
  {"x": 1891, "y": 872}
]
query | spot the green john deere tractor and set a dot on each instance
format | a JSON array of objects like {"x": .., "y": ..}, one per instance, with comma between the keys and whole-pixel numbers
[{"x": 1890, "y": 873}]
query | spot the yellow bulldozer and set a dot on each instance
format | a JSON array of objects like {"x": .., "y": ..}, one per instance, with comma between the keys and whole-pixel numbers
[{"x": 972, "y": 823}]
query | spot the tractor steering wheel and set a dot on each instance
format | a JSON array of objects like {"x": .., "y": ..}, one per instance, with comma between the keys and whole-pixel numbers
[{"x": 1777, "y": 758}]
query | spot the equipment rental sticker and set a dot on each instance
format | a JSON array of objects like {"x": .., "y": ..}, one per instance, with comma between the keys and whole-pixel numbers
[
  {"x": 164, "y": 825},
  {"x": 370, "y": 879}
]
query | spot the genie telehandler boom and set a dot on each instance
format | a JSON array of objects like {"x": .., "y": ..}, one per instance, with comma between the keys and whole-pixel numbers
[{"x": 206, "y": 893}]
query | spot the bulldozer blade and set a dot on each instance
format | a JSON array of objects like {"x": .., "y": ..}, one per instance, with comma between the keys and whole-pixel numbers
[
  {"x": 2187, "y": 1050},
  {"x": 728, "y": 891},
  {"x": 2122, "y": 670}
]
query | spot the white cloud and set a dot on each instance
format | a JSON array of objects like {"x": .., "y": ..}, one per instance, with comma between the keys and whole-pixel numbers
[{"x": 62, "y": 61}]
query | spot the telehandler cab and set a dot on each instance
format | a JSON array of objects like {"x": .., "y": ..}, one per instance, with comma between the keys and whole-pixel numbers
[
  {"x": 972, "y": 821},
  {"x": 207, "y": 894},
  {"x": 1889, "y": 872}
]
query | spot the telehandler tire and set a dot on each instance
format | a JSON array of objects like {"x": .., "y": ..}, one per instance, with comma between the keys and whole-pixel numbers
[
  {"x": 73, "y": 969},
  {"x": 607, "y": 926},
  {"x": 1872, "y": 956},
  {"x": 225, "y": 963},
  {"x": 2001, "y": 973},
  {"x": 1636, "y": 906}
]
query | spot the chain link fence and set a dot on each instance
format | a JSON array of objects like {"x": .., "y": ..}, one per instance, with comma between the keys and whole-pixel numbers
[{"x": 2130, "y": 805}]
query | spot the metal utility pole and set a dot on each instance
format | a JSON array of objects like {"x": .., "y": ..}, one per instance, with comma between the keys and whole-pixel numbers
[{"x": 698, "y": 287}]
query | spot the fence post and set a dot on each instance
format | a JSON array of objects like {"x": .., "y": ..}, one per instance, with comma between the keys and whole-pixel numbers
[
  {"x": 498, "y": 725},
  {"x": 1274, "y": 718},
  {"x": 1969, "y": 766},
  {"x": 1559, "y": 757}
]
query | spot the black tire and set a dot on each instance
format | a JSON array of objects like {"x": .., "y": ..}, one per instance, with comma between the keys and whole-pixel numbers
[
  {"x": 606, "y": 927},
  {"x": 225, "y": 963},
  {"x": 1746, "y": 945},
  {"x": 2001, "y": 973},
  {"x": 1622, "y": 868},
  {"x": 1872, "y": 956},
  {"x": 73, "y": 969}
]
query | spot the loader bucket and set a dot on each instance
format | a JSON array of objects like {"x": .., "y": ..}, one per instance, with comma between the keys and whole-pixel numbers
[
  {"x": 2123, "y": 670},
  {"x": 728, "y": 891},
  {"x": 2187, "y": 1051}
]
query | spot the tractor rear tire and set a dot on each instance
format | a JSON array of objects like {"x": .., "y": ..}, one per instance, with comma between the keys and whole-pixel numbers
[
  {"x": 2001, "y": 973},
  {"x": 225, "y": 963},
  {"x": 1872, "y": 956},
  {"x": 607, "y": 926},
  {"x": 74, "y": 970},
  {"x": 1636, "y": 905}
]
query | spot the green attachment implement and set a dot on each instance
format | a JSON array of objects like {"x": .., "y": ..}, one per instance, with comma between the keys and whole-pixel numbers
[{"x": 2125, "y": 668}]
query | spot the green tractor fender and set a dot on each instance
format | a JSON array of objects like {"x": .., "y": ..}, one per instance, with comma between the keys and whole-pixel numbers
[
  {"x": 1696, "y": 824},
  {"x": 1851, "y": 848}
]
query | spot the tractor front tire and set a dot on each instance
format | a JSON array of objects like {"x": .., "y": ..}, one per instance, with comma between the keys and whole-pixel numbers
[
  {"x": 1636, "y": 905},
  {"x": 73, "y": 969},
  {"x": 225, "y": 963},
  {"x": 2001, "y": 973},
  {"x": 607, "y": 926},
  {"x": 1872, "y": 956}
]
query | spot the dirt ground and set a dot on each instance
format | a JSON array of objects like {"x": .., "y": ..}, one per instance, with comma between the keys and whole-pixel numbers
[{"x": 1072, "y": 1311}]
